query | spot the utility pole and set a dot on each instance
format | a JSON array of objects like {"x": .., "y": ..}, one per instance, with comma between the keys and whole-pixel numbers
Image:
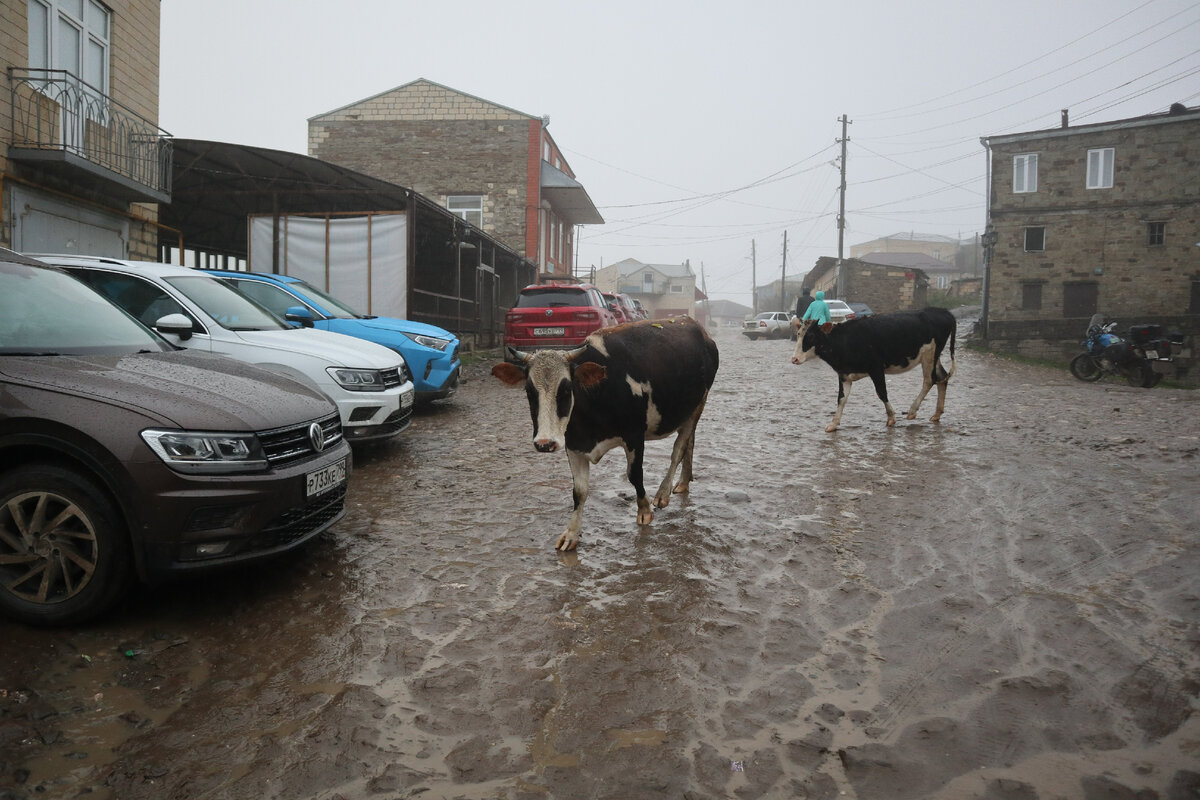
[
  {"x": 707, "y": 303},
  {"x": 783, "y": 277},
  {"x": 841, "y": 220},
  {"x": 753, "y": 278}
]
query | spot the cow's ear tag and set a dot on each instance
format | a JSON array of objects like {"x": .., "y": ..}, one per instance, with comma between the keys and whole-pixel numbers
[
  {"x": 589, "y": 373},
  {"x": 827, "y": 327}
]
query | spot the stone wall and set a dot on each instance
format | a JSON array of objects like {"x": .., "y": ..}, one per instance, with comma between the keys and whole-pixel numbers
[{"x": 437, "y": 142}]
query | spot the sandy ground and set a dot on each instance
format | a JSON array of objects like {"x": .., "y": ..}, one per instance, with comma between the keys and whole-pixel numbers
[{"x": 1005, "y": 605}]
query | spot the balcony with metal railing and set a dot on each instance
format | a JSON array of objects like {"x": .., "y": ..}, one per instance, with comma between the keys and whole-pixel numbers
[{"x": 70, "y": 128}]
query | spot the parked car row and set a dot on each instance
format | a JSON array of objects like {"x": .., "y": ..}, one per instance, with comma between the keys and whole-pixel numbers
[
  {"x": 778, "y": 324},
  {"x": 156, "y": 421}
]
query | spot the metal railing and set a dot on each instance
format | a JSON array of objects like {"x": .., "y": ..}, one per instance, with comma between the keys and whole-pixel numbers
[{"x": 54, "y": 110}]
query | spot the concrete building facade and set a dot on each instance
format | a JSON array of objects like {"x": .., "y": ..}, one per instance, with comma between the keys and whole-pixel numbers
[
  {"x": 83, "y": 163},
  {"x": 1101, "y": 218},
  {"x": 497, "y": 168}
]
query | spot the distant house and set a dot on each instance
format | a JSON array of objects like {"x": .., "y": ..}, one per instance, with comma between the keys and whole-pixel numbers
[
  {"x": 941, "y": 273},
  {"x": 1087, "y": 219},
  {"x": 943, "y": 248},
  {"x": 727, "y": 314},
  {"x": 882, "y": 287},
  {"x": 499, "y": 169},
  {"x": 665, "y": 290}
]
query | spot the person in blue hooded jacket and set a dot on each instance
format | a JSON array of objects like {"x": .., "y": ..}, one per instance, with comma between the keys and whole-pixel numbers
[{"x": 817, "y": 310}]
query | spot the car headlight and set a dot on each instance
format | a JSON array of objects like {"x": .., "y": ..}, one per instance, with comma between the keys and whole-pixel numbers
[
  {"x": 206, "y": 453},
  {"x": 428, "y": 341},
  {"x": 357, "y": 380}
]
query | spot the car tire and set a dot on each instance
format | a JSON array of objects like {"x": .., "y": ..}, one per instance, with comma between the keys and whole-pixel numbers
[{"x": 64, "y": 555}]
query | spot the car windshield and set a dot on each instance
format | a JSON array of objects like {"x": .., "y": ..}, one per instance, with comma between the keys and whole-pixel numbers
[
  {"x": 550, "y": 298},
  {"x": 47, "y": 312},
  {"x": 231, "y": 310},
  {"x": 335, "y": 308}
]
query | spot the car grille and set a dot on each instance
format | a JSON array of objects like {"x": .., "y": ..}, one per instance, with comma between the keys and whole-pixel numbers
[
  {"x": 291, "y": 526},
  {"x": 284, "y": 446},
  {"x": 394, "y": 377},
  {"x": 397, "y": 421}
]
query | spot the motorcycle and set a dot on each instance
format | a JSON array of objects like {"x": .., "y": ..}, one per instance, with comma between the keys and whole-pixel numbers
[{"x": 1105, "y": 353}]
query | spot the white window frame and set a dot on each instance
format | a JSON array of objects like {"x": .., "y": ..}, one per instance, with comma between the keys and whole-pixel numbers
[
  {"x": 467, "y": 206},
  {"x": 676, "y": 288},
  {"x": 1025, "y": 173},
  {"x": 1100, "y": 167},
  {"x": 88, "y": 62}
]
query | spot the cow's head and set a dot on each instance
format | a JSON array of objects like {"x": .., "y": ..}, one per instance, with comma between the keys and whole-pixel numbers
[
  {"x": 550, "y": 378},
  {"x": 808, "y": 335}
]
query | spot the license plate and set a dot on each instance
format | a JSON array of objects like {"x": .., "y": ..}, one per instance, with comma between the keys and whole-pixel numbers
[
  {"x": 549, "y": 331},
  {"x": 325, "y": 479},
  {"x": 406, "y": 399},
  {"x": 1152, "y": 355}
]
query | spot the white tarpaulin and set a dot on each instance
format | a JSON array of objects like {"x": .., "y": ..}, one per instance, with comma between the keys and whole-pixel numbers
[{"x": 362, "y": 261}]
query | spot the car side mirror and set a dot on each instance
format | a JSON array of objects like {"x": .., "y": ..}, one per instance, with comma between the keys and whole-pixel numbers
[
  {"x": 175, "y": 325},
  {"x": 300, "y": 315}
]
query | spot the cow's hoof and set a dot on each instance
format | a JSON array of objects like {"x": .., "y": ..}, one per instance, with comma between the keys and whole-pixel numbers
[
  {"x": 646, "y": 516},
  {"x": 680, "y": 488},
  {"x": 566, "y": 542},
  {"x": 911, "y": 415},
  {"x": 830, "y": 428},
  {"x": 891, "y": 423},
  {"x": 936, "y": 417}
]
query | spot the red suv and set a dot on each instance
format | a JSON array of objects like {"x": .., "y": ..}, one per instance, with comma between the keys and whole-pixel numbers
[{"x": 556, "y": 316}]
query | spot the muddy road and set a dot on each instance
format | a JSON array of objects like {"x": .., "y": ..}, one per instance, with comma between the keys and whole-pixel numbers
[{"x": 1002, "y": 605}]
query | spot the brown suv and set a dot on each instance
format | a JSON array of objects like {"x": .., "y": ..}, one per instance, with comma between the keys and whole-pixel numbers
[{"x": 122, "y": 456}]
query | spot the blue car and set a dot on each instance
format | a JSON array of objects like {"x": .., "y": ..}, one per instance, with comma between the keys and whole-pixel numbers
[{"x": 431, "y": 352}]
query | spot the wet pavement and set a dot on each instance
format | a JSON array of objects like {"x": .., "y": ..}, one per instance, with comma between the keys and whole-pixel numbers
[{"x": 1002, "y": 605}]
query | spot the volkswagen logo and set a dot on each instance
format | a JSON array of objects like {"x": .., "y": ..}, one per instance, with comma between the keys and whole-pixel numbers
[{"x": 316, "y": 436}]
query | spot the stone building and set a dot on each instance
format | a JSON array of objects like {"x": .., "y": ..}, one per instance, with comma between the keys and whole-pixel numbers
[
  {"x": 497, "y": 168},
  {"x": 933, "y": 245},
  {"x": 665, "y": 290},
  {"x": 882, "y": 287},
  {"x": 83, "y": 163},
  {"x": 1086, "y": 219}
]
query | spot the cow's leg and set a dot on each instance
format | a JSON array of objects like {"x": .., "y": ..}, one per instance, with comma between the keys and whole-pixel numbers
[
  {"x": 941, "y": 406},
  {"x": 685, "y": 477},
  {"x": 929, "y": 366},
  {"x": 580, "y": 470},
  {"x": 636, "y": 453},
  {"x": 880, "y": 381},
  {"x": 684, "y": 439},
  {"x": 844, "y": 384}
]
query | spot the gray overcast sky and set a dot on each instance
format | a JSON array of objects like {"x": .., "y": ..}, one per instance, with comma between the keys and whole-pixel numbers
[{"x": 700, "y": 127}]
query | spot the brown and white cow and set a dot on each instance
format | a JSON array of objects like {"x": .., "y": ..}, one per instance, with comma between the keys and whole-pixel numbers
[
  {"x": 882, "y": 344},
  {"x": 626, "y": 385}
]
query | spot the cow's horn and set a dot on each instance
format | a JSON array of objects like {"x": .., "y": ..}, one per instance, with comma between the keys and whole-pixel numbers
[
  {"x": 517, "y": 355},
  {"x": 576, "y": 353}
]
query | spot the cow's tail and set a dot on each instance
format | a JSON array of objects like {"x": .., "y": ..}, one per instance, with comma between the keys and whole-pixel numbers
[{"x": 953, "y": 332}]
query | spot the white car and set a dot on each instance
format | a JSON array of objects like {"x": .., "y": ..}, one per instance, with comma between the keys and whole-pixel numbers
[
  {"x": 839, "y": 311},
  {"x": 768, "y": 325},
  {"x": 369, "y": 383}
]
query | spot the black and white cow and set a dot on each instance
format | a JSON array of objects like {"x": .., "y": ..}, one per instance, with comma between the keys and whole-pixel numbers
[
  {"x": 625, "y": 386},
  {"x": 882, "y": 344}
]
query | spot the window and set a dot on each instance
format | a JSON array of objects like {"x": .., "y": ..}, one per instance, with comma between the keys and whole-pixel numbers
[
  {"x": 1031, "y": 297},
  {"x": 71, "y": 35},
  {"x": 1156, "y": 233},
  {"x": 467, "y": 206},
  {"x": 648, "y": 281},
  {"x": 1100, "y": 168},
  {"x": 1035, "y": 240},
  {"x": 1080, "y": 299},
  {"x": 676, "y": 288},
  {"x": 1025, "y": 173}
]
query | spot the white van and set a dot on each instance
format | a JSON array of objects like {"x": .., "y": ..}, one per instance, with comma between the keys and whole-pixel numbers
[{"x": 370, "y": 384}]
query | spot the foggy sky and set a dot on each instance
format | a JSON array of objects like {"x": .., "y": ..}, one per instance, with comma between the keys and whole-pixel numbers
[{"x": 697, "y": 127}]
